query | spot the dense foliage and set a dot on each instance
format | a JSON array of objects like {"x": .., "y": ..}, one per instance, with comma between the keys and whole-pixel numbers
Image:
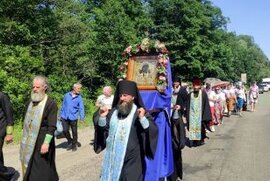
[{"x": 80, "y": 40}]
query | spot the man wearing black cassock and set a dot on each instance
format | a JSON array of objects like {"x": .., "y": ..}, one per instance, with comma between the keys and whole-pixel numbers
[
  {"x": 6, "y": 129},
  {"x": 179, "y": 141},
  {"x": 178, "y": 129},
  {"x": 198, "y": 114},
  {"x": 37, "y": 153},
  {"x": 127, "y": 132},
  {"x": 182, "y": 96}
]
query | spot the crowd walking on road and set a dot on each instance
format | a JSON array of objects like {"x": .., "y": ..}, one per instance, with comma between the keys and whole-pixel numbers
[
  {"x": 135, "y": 131},
  {"x": 142, "y": 132}
]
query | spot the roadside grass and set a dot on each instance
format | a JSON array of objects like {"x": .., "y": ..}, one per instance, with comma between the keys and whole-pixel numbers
[
  {"x": 87, "y": 122},
  {"x": 17, "y": 129},
  {"x": 17, "y": 132}
]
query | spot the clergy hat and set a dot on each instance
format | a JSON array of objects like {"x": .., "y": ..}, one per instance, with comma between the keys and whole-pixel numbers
[
  {"x": 177, "y": 79},
  {"x": 196, "y": 82},
  {"x": 130, "y": 88},
  {"x": 127, "y": 87}
]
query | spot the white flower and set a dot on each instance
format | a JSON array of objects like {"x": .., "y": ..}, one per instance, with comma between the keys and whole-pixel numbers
[{"x": 145, "y": 44}]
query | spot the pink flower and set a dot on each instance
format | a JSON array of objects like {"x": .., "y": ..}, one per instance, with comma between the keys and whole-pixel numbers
[
  {"x": 160, "y": 60},
  {"x": 128, "y": 49},
  {"x": 165, "y": 62},
  {"x": 161, "y": 77},
  {"x": 164, "y": 51}
]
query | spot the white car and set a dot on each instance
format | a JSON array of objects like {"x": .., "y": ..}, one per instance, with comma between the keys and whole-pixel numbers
[{"x": 265, "y": 86}]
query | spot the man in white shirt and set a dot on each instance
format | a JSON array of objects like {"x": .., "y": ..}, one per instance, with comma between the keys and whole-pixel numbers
[{"x": 106, "y": 98}]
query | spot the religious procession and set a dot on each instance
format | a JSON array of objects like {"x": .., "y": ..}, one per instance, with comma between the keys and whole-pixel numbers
[
  {"x": 142, "y": 90},
  {"x": 142, "y": 125}
]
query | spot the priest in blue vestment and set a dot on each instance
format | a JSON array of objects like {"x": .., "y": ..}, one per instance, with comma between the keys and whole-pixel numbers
[{"x": 128, "y": 133}]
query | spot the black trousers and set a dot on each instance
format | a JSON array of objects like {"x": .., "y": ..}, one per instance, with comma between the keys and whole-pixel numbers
[
  {"x": 178, "y": 167},
  {"x": 67, "y": 124},
  {"x": 5, "y": 174},
  {"x": 1, "y": 152}
]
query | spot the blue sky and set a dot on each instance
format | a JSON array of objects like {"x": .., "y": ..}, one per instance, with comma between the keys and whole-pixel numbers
[{"x": 248, "y": 17}]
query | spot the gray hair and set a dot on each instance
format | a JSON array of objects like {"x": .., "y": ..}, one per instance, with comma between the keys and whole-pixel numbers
[
  {"x": 44, "y": 80},
  {"x": 77, "y": 85},
  {"x": 107, "y": 88}
]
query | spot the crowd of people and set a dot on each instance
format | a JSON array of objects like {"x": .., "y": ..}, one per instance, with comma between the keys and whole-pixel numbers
[
  {"x": 143, "y": 137},
  {"x": 230, "y": 99}
]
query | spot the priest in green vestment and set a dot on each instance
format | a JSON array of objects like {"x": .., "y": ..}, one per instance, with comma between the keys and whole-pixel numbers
[{"x": 198, "y": 114}]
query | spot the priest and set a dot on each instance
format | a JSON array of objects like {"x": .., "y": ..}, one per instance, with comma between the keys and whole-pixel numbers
[
  {"x": 198, "y": 114},
  {"x": 128, "y": 133}
]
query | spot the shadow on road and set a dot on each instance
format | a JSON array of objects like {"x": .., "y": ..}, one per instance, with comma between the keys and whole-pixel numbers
[
  {"x": 91, "y": 143},
  {"x": 194, "y": 169},
  {"x": 63, "y": 145}
]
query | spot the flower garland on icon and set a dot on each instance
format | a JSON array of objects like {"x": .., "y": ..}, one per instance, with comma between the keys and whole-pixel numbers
[{"x": 145, "y": 48}]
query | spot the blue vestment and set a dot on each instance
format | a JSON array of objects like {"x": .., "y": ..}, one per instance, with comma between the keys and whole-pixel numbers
[{"x": 160, "y": 105}]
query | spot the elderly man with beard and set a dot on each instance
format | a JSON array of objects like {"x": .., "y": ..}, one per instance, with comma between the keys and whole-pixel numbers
[
  {"x": 128, "y": 133},
  {"x": 37, "y": 153}
]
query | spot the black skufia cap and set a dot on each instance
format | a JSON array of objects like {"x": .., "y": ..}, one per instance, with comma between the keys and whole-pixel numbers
[
  {"x": 176, "y": 79},
  {"x": 130, "y": 88}
]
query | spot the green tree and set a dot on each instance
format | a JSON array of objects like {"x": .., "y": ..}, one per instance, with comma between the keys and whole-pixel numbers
[
  {"x": 117, "y": 24},
  {"x": 189, "y": 30}
]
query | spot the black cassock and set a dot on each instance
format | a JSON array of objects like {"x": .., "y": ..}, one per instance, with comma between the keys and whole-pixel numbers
[
  {"x": 6, "y": 119},
  {"x": 206, "y": 114},
  {"x": 179, "y": 141},
  {"x": 42, "y": 167},
  {"x": 181, "y": 100},
  {"x": 141, "y": 143}
]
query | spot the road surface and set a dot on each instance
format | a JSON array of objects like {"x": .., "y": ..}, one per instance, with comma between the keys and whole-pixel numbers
[{"x": 239, "y": 150}]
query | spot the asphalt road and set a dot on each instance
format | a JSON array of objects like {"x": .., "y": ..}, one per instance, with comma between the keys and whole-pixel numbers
[{"x": 239, "y": 150}]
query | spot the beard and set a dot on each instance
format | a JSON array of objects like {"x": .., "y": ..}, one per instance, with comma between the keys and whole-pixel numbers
[
  {"x": 37, "y": 96},
  {"x": 124, "y": 108},
  {"x": 196, "y": 92}
]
